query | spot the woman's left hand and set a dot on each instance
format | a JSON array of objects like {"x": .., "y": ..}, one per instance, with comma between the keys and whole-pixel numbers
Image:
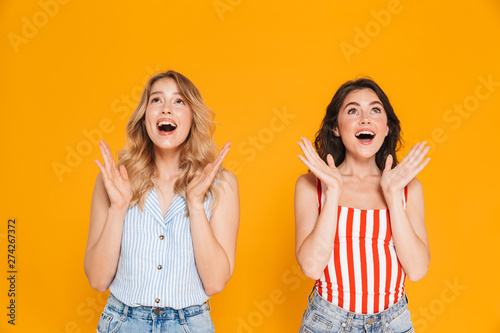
[
  {"x": 394, "y": 180},
  {"x": 198, "y": 186}
]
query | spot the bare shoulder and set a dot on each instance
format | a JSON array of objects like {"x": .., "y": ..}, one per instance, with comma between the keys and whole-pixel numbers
[
  {"x": 228, "y": 181},
  {"x": 227, "y": 204},
  {"x": 227, "y": 189},
  {"x": 415, "y": 198},
  {"x": 415, "y": 189},
  {"x": 100, "y": 195},
  {"x": 305, "y": 191},
  {"x": 99, "y": 180},
  {"x": 305, "y": 182}
]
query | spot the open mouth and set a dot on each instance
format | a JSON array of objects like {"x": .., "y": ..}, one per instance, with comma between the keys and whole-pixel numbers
[
  {"x": 166, "y": 126},
  {"x": 365, "y": 136}
]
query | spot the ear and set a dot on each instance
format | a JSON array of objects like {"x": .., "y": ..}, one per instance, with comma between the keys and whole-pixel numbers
[
  {"x": 387, "y": 131},
  {"x": 336, "y": 131}
]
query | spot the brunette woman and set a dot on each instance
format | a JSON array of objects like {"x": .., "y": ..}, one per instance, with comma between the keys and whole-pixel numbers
[{"x": 360, "y": 216}]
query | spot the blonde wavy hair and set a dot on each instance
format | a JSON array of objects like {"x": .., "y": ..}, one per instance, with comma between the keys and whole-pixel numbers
[{"x": 198, "y": 150}]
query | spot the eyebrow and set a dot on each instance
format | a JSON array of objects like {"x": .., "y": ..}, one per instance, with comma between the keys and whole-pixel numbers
[
  {"x": 160, "y": 93},
  {"x": 357, "y": 104}
]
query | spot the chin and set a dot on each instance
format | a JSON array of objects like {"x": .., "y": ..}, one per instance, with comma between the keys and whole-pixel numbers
[{"x": 367, "y": 153}]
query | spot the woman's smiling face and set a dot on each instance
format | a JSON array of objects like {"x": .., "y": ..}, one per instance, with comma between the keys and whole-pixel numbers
[
  {"x": 362, "y": 123},
  {"x": 168, "y": 115}
]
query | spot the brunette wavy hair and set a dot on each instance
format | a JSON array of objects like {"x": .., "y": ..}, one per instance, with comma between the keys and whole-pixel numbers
[
  {"x": 198, "y": 149},
  {"x": 327, "y": 143}
]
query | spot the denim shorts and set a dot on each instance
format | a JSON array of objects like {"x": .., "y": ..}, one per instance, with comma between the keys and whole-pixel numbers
[
  {"x": 118, "y": 317},
  {"x": 323, "y": 316}
]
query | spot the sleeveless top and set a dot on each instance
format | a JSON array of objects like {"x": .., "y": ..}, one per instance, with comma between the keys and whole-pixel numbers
[
  {"x": 363, "y": 274},
  {"x": 157, "y": 266}
]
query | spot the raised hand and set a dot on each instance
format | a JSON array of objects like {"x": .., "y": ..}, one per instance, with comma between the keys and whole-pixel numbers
[
  {"x": 328, "y": 173},
  {"x": 394, "y": 180},
  {"x": 115, "y": 180},
  {"x": 198, "y": 186}
]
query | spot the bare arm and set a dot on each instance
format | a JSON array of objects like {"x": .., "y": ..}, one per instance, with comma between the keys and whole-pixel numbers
[
  {"x": 112, "y": 194},
  {"x": 409, "y": 232},
  {"x": 214, "y": 242},
  {"x": 408, "y": 227},
  {"x": 315, "y": 233}
]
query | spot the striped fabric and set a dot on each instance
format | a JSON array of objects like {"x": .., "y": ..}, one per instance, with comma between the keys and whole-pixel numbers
[
  {"x": 157, "y": 266},
  {"x": 363, "y": 274}
]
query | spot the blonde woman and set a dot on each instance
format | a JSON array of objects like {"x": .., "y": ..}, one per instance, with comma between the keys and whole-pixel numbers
[{"x": 164, "y": 223}]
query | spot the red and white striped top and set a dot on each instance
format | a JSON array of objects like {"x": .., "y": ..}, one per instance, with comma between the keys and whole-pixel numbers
[{"x": 363, "y": 274}]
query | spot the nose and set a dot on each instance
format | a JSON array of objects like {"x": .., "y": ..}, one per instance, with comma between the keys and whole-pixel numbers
[
  {"x": 166, "y": 109},
  {"x": 365, "y": 120}
]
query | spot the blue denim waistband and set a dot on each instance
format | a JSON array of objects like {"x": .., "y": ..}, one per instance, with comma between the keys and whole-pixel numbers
[
  {"x": 356, "y": 319},
  {"x": 152, "y": 312}
]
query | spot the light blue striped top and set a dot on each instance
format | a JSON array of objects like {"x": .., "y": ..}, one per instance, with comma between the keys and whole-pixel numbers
[{"x": 157, "y": 266}]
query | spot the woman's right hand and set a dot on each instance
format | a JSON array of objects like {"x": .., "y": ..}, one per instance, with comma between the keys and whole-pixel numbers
[
  {"x": 115, "y": 180},
  {"x": 327, "y": 173}
]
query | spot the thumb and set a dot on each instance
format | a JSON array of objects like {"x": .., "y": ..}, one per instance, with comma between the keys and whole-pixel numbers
[
  {"x": 123, "y": 172},
  {"x": 330, "y": 161},
  {"x": 207, "y": 167},
  {"x": 388, "y": 162}
]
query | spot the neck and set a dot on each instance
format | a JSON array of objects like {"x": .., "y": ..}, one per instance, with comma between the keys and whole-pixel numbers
[
  {"x": 359, "y": 167},
  {"x": 167, "y": 162}
]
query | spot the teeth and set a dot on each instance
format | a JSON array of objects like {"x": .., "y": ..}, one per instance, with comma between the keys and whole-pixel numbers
[
  {"x": 365, "y": 132},
  {"x": 161, "y": 123}
]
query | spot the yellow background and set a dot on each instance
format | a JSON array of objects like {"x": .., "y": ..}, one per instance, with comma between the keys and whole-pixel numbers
[{"x": 71, "y": 68}]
